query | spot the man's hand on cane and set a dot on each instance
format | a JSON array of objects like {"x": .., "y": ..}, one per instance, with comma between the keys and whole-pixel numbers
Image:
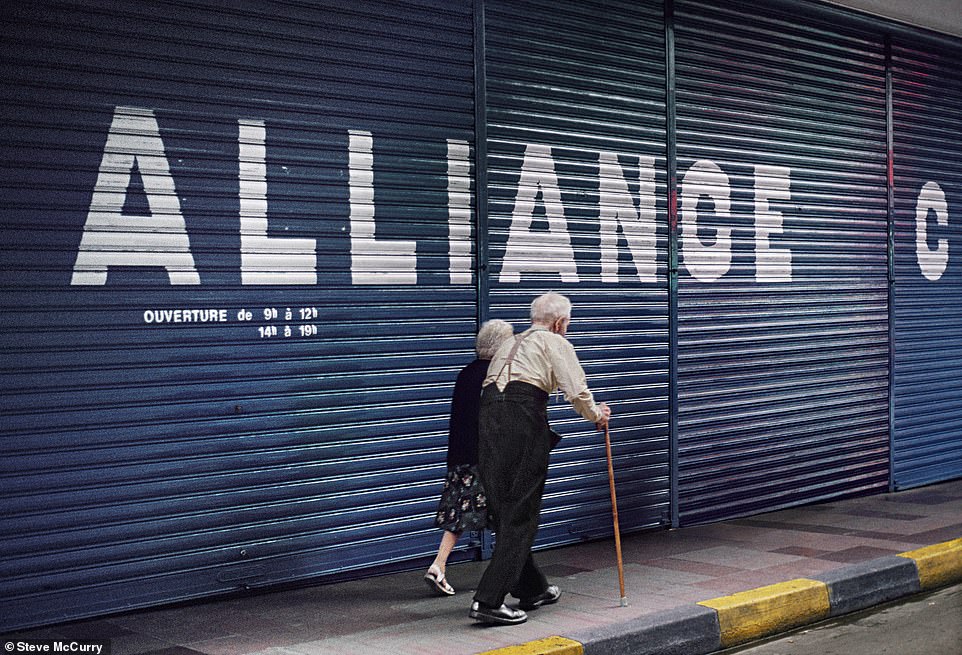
[{"x": 606, "y": 412}]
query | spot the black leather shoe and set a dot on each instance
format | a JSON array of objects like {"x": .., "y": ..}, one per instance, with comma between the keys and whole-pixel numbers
[
  {"x": 547, "y": 597},
  {"x": 503, "y": 615}
]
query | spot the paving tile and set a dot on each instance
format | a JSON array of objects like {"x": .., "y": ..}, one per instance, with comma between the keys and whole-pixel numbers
[
  {"x": 652, "y": 600},
  {"x": 461, "y": 636},
  {"x": 289, "y": 611},
  {"x": 878, "y": 514},
  {"x": 789, "y": 526},
  {"x": 241, "y": 644},
  {"x": 803, "y": 568},
  {"x": 95, "y": 629},
  {"x": 823, "y": 508},
  {"x": 858, "y": 528},
  {"x": 732, "y": 584},
  {"x": 562, "y": 570},
  {"x": 868, "y": 517},
  {"x": 939, "y": 535},
  {"x": 671, "y": 543},
  {"x": 38, "y": 634},
  {"x": 581, "y": 611},
  {"x": 692, "y": 566},
  {"x": 927, "y": 498},
  {"x": 752, "y": 579},
  {"x": 858, "y": 554},
  {"x": 425, "y": 607},
  {"x": 327, "y": 647},
  {"x": 650, "y": 578},
  {"x": 738, "y": 558},
  {"x": 800, "y": 551},
  {"x": 182, "y": 625},
  {"x": 877, "y": 534},
  {"x": 899, "y": 545},
  {"x": 589, "y": 554},
  {"x": 771, "y": 538},
  {"x": 137, "y": 644}
]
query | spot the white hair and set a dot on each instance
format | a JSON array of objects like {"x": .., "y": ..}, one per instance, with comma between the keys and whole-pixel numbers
[
  {"x": 548, "y": 308},
  {"x": 490, "y": 337}
]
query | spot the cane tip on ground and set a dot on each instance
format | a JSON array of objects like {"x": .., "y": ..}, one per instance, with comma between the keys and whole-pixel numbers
[{"x": 546, "y": 646}]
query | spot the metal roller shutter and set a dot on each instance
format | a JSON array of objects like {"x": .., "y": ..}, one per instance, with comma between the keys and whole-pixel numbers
[
  {"x": 927, "y": 96},
  {"x": 237, "y": 287},
  {"x": 783, "y": 330},
  {"x": 576, "y": 171}
]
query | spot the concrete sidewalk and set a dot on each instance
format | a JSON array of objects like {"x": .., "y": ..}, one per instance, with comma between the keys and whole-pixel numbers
[{"x": 809, "y": 562}]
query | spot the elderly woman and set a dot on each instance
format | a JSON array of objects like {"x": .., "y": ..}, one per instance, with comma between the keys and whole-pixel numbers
[
  {"x": 463, "y": 505},
  {"x": 513, "y": 447}
]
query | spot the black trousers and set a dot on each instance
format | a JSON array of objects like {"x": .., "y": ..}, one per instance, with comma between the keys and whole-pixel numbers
[{"x": 514, "y": 442}]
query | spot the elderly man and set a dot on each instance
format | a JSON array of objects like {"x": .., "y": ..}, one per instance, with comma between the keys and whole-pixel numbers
[{"x": 514, "y": 442}]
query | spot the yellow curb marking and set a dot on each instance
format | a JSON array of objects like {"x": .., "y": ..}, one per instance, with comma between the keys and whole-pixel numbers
[
  {"x": 767, "y": 610},
  {"x": 546, "y": 646},
  {"x": 938, "y": 565}
]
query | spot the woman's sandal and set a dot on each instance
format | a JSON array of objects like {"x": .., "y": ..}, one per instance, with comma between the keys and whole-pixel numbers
[{"x": 437, "y": 582}]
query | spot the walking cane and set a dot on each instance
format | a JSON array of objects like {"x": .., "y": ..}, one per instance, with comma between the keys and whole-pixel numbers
[{"x": 614, "y": 514}]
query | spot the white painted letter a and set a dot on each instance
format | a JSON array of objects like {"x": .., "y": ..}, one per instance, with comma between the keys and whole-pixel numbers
[
  {"x": 112, "y": 239},
  {"x": 538, "y": 252}
]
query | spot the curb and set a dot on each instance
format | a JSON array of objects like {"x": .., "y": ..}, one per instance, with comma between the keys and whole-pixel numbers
[
  {"x": 678, "y": 631},
  {"x": 546, "y": 646},
  {"x": 728, "y": 621},
  {"x": 938, "y": 565},
  {"x": 753, "y": 614},
  {"x": 871, "y": 583}
]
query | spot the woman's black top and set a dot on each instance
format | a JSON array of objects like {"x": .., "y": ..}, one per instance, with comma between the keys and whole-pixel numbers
[{"x": 465, "y": 404}]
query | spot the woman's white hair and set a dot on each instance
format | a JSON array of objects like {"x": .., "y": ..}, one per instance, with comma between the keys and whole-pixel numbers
[
  {"x": 548, "y": 308},
  {"x": 490, "y": 337}
]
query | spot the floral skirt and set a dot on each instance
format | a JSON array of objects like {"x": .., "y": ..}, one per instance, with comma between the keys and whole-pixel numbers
[{"x": 463, "y": 505}]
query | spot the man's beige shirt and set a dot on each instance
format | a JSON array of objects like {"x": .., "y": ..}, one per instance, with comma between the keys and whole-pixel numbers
[{"x": 548, "y": 361}]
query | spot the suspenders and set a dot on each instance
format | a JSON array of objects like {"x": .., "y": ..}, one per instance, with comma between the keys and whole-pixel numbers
[
  {"x": 514, "y": 351},
  {"x": 555, "y": 437}
]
